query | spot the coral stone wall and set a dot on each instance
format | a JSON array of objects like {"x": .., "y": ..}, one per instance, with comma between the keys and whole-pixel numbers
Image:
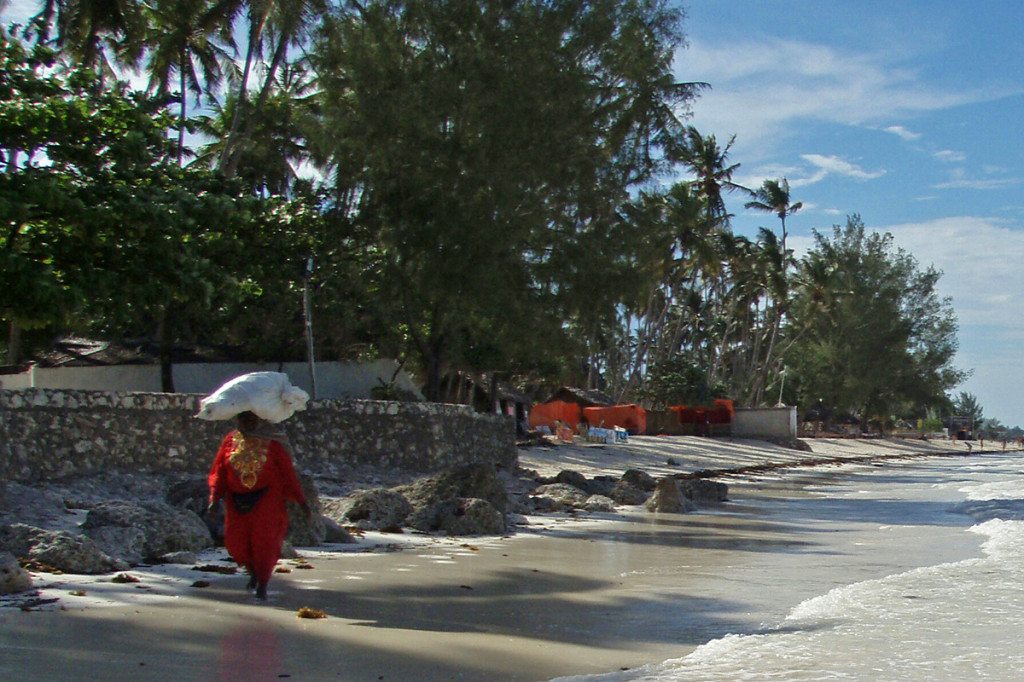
[{"x": 48, "y": 434}]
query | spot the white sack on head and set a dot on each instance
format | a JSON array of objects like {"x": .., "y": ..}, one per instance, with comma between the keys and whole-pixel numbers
[{"x": 269, "y": 395}]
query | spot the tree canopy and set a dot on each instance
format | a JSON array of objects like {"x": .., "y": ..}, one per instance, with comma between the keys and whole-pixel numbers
[
  {"x": 506, "y": 188},
  {"x": 870, "y": 334}
]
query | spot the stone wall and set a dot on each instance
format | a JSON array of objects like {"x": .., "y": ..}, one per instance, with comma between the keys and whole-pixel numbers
[{"x": 48, "y": 434}]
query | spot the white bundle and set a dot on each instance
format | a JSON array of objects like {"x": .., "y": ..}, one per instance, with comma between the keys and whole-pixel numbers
[{"x": 269, "y": 395}]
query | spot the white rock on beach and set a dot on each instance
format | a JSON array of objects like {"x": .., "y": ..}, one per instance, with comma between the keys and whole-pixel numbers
[{"x": 13, "y": 578}]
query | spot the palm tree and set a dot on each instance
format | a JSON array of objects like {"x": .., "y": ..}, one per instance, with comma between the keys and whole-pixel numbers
[
  {"x": 773, "y": 197},
  {"x": 87, "y": 29},
  {"x": 277, "y": 145},
  {"x": 709, "y": 163},
  {"x": 282, "y": 24},
  {"x": 183, "y": 35}
]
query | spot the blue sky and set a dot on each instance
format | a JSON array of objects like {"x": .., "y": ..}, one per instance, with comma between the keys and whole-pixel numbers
[{"x": 908, "y": 113}]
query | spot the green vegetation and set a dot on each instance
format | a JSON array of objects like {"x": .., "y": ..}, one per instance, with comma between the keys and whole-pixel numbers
[{"x": 507, "y": 188}]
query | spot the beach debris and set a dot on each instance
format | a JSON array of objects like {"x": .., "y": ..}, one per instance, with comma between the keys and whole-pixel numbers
[
  {"x": 472, "y": 548},
  {"x": 466, "y": 587},
  {"x": 39, "y": 567},
  {"x": 125, "y": 578},
  {"x": 34, "y": 603},
  {"x": 309, "y": 612},
  {"x": 214, "y": 568},
  {"x": 307, "y": 567},
  {"x": 77, "y": 593},
  {"x": 178, "y": 558},
  {"x": 269, "y": 395},
  {"x": 672, "y": 462},
  {"x": 282, "y": 569},
  {"x": 201, "y": 583}
]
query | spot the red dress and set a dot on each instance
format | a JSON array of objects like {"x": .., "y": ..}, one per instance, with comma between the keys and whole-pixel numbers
[{"x": 244, "y": 466}]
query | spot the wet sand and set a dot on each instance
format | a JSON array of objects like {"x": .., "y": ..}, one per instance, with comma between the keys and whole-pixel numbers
[{"x": 564, "y": 596}]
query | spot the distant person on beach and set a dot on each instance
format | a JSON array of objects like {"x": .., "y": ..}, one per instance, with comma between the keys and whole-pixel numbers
[{"x": 254, "y": 475}]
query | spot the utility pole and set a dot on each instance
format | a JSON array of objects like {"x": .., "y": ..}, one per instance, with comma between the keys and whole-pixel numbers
[
  {"x": 307, "y": 314},
  {"x": 782, "y": 383}
]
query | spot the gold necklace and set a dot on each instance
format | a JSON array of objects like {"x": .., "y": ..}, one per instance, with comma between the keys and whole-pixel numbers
[{"x": 248, "y": 457}]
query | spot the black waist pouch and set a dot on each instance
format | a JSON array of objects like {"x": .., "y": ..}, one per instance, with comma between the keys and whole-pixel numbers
[{"x": 245, "y": 502}]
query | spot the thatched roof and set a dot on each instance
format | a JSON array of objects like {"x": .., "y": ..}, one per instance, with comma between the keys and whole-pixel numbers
[
  {"x": 79, "y": 352},
  {"x": 588, "y": 397}
]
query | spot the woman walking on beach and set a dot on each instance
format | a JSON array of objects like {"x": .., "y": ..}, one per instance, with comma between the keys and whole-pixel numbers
[{"x": 254, "y": 474}]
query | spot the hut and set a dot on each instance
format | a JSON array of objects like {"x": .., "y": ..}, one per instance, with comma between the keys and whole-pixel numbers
[{"x": 584, "y": 397}]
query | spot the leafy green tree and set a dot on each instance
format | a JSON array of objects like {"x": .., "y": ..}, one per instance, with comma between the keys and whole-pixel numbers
[
  {"x": 881, "y": 341},
  {"x": 486, "y": 146},
  {"x": 104, "y": 233},
  {"x": 967, "y": 405},
  {"x": 679, "y": 380}
]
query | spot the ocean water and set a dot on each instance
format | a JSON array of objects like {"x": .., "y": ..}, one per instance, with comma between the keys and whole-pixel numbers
[{"x": 949, "y": 621}]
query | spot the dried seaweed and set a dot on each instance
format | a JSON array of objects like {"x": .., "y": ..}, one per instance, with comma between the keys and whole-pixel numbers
[{"x": 308, "y": 612}]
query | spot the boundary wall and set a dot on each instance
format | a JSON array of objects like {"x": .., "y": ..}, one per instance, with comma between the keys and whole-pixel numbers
[
  {"x": 49, "y": 434},
  {"x": 764, "y": 422},
  {"x": 334, "y": 380}
]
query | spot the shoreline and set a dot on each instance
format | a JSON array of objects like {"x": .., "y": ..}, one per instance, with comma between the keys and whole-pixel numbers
[{"x": 565, "y": 595}]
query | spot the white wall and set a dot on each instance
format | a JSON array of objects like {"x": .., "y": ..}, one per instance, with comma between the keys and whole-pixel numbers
[
  {"x": 334, "y": 380},
  {"x": 761, "y": 422}
]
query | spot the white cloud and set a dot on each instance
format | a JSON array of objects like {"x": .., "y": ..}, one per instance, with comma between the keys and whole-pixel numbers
[
  {"x": 903, "y": 133},
  {"x": 832, "y": 165},
  {"x": 960, "y": 180},
  {"x": 760, "y": 90},
  {"x": 950, "y": 156},
  {"x": 819, "y": 166},
  {"x": 980, "y": 258}
]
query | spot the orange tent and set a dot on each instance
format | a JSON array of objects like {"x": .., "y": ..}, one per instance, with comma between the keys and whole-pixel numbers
[
  {"x": 546, "y": 414},
  {"x": 721, "y": 413},
  {"x": 633, "y": 418}
]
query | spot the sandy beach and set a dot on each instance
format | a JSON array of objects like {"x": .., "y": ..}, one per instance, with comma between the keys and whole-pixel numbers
[{"x": 565, "y": 595}]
